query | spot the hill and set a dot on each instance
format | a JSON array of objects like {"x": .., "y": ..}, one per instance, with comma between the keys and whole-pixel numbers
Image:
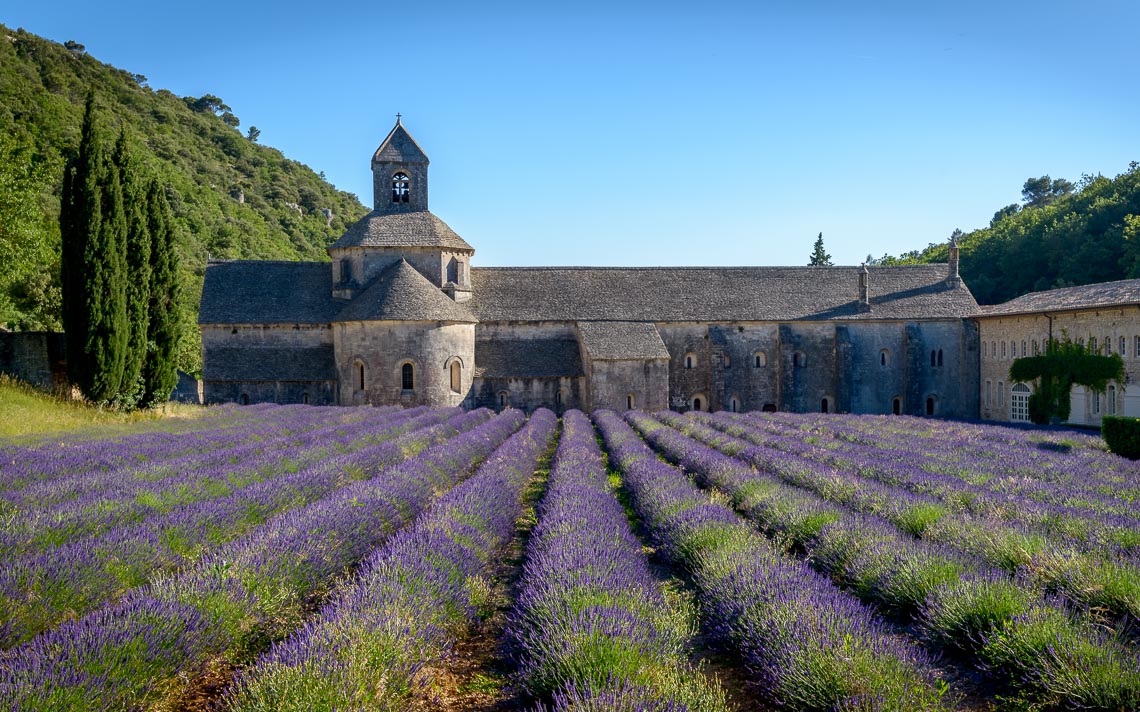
[
  {"x": 1089, "y": 235},
  {"x": 232, "y": 197}
]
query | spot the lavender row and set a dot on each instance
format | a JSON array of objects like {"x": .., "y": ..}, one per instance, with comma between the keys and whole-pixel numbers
[
  {"x": 368, "y": 646},
  {"x": 125, "y": 496},
  {"x": 1047, "y": 472},
  {"x": 808, "y": 645},
  {"x": 589, "y": 620},
  {"x": 956, "y": 602},
  {"x": 1097, "y": 579},
  {"x": 39, "y": 591},
  {"x": 20, "y": 467},
  {"x": 236, "y": 600}
]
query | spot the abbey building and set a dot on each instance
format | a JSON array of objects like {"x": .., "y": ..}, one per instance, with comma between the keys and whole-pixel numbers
[{"x": 399, "y": 316}]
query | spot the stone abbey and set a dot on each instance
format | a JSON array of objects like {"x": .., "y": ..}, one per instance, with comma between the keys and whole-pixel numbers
[{"x": 399, "y": 316}]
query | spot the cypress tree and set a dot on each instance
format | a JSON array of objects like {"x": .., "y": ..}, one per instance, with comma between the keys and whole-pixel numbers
[
  {"x": 93, "y": 231},
  {"x": 138, "y": 270},
  {"x": 160, "y": 375}
]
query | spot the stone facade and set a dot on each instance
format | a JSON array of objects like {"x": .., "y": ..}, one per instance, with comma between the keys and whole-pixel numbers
[
  {"x": 35, "y": 357},
  {"x": 400, "y": 305},
  {"x": 1105, "y": 317}
]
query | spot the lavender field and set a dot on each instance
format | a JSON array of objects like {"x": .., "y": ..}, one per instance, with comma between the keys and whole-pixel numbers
[{"x": 303, "y": 558}]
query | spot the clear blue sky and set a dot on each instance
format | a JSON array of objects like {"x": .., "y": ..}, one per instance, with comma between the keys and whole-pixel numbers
[{"x": 696, "y": 133}]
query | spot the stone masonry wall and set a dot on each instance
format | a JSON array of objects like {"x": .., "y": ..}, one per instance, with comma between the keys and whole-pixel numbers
[{"x": 35, "y": 357}]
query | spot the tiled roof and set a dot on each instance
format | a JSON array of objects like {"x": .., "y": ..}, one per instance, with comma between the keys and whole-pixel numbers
[
  {"x": 621, "y": 340},
  {"x": 527, "y": 358},
  {"x": 267, "y": 292},
  {"x": 402, "y": 293},
  {"x": 269, "y": 364},
  {"x": 399, "y": 147},
  {"x": 415, "y": 229},
  {"x": 658, "y": 294},
  {"x": 1089, "y": 296}
]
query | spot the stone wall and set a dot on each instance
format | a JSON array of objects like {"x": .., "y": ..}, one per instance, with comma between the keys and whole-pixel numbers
[
  {"x": 432, "y": 262},
  {"x": 528, "y": 394},
  {"x": 1000, "y": 337},
  {"x": 383, "y": 347},
  {"x": 249, "y": 392},
  {"x": 35, "y": 357},
  {"x": 612, "y": 384}
]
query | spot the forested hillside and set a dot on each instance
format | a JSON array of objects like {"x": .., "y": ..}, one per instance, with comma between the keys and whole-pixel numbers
[
  {"x": 1063, "y": 235},
  {"x": 231, "y": 197}
]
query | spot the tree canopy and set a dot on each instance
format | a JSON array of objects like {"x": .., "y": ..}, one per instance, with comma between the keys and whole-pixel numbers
[{"x": 819, "y": 256}]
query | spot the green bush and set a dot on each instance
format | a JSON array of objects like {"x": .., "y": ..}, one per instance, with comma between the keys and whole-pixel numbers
[{"x": 1122, "y": 435}]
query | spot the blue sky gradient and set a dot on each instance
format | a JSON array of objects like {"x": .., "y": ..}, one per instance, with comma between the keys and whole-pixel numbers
[{"x": 662, "y": 133}]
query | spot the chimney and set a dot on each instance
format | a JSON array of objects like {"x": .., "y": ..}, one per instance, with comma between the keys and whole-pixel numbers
[
  {"x": 863, "y": 296},
  {"x": 953, "y": 279}
]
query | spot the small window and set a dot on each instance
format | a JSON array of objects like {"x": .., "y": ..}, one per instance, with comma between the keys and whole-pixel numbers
[
  {"x": 1092, "y": 344},
  {"x": 1123, "y": 346},
  {"x": 931, "y": 405},
  {"x": 989, "y": 393},
  {"x": 346, "y": 270},
  {"x": 1003, "y": 349},
  {"x": 759, "y": 359},
  {"x": 456, "y": 377},
  {"x": 993, "y": 349},
  {"x": 1081, "y": 341},
  {"x": 896, "y": 406},
  {"x": 799, "y": 359},
  {"x": 933, "y": 359},
  {"x": 245, "y": 399},
  {"x": 401, "y": 188},
  {"x": 1136, "y": 348},
  {"x": 504, "y": 399},
  {"x": 1095, "y": 403},
  {"x": 360, "y": 375},
  {"x": 697, "y": 403},
  {"x": 558, "y": 399},
  {"x": 1024, "y": 351},
  {"x": 1035, "y": 347},
  {"x": 1108, "y": 346},
  {"x": 408, "y": 377},
  {"x": 629, "y": 402},
  {"x": 885, "y": 357},
  {"x": 1001, "y": 394},
  {"x": 940, "y": 358},
  {"x": 305, "y": 398},
  {"x": 727, "y": 361},
  {"x": 734, "y": 404},
  {"x": 1111, "y": 398},
  {"x": 985, "y": 350},
  {"x": 690, "y": 360},
  {"x": 824, "y": 406}
]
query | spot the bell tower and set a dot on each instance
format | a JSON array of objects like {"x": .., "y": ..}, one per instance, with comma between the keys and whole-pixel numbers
[{"x": 399, "y": 174}]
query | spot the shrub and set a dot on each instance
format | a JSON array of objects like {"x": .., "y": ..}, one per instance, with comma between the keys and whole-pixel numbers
[{"x": 1122, "y": 435}]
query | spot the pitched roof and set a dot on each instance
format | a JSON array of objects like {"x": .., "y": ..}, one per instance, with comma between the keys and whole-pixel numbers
[
  {"x": 527, "y": 358},
  {"x": 621, "y": 340},
  {"x": 402, "y": 293},
  {"x": 268, "y": 292},
  {"x": 399, "y": 147},
  {"x": 269, "y": 364},
  {"x": 413, "y": 229},
  {"x": 713, "y": 294},
  {"x": 1089, "y": 296}
]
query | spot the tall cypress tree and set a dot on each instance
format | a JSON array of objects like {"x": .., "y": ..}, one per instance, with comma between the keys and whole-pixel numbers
[
  {"x": 93, "y": 232},
  {"x": 160, "y": 374},
  {"x": 138, "y": 270}
]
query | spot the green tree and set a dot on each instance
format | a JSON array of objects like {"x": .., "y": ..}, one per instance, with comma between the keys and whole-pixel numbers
[
  {"x": 1063, "y": 365},
  {"x": 93, "y": 232},
  {"x": 137, "y": 276},
  {"x": 819, "y": 257},
  {"x": 1039, "y": 192},
  {"x": 253, "y": 133},
  {"x": 160, "y": 374}
]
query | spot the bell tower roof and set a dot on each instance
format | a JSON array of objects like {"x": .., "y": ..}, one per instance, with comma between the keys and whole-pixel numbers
[{"x": 399, "y": 147}]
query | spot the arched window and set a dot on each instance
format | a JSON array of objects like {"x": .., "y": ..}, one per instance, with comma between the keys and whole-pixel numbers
[
  {"x": 985, "y": 351},
  {"x": 1092, "y": 345},
  {"x": 727, "y": 361},
  {"x": 504, "y": 399},
  {"x": 1024, "y": 352},
  {"x": 1001, "y": 394},
  {"x": 1003, "y": 349},
  {"x": 759, "y": 359},
  {"x": 629, "y": 402},
  {"x": 931, "y": 405},
  {"x": 989, "y": 393},
  {"x": 245, "y": 399},
  {"x": 799, "y": 359},
  {"x": 993, "y": 349},
  {"x": 346, "y": 270},
  {"x": 558, "y": 399},
  {"x": 885, "y": 357},
  {"x": 1019, "y": 403},
  {"x": 1136, "y": 348},
  {"x": 697, "y": 403},
  {"x": 359, "y": 374},
  {"x": 896, "y": 406},
  {"x": 1108, "y": 346},
  {"x": 940, "y": 358},
  {"x": 305, "y": 398},
  {"x": 1123, "y": 346},
  {"x": 690, "y": 360},
  {"x": 1111, "y": 398},
  {"x": 823, "y": 406},
  {"x": 408, "y": 377},
  {"x": 453, "y": 270},
  {"x": 401, "y": 188},
  {"x": 1035, "y": 347},
  {"x": 933, "y": 358},
  {"x": 734, "y": 404},
  {"x": 456, "y": 376},
  {"x": 1095, "y": 403}
]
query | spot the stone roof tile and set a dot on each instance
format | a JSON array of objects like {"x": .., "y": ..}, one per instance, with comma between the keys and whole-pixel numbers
[
  {"x": 621, "y": 340},
  {"x": 1089, "y": 296},
  {"x": 401, "y": 293},
  {"x": 413, "y": 229},
  {"x": 268, "y": 292},
  {"x": 399, "y": 147},
  {"x": 527, "y": 358},
  {"x": 224, "y": 363},
  {"x": 658, "y": 294}
]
